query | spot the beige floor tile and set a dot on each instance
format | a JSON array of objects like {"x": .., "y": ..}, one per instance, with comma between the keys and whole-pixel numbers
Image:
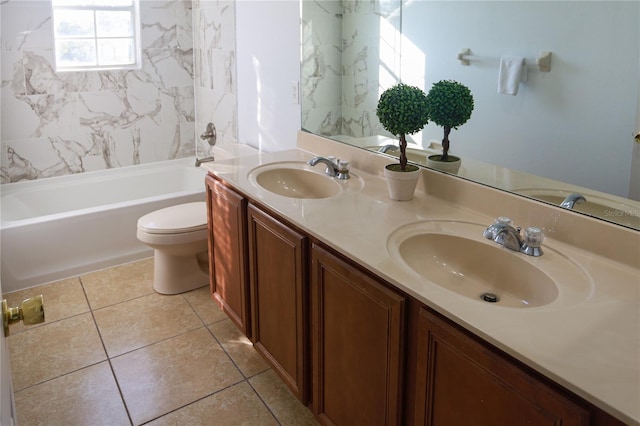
[
  {"x": 85, "y": 397},
  {"x": 205, "y": 307},
  {"x": 282, "y": 403},
  {"x": 160, "y": 378},
  {"x": 50, "y": 351},
  {"x": 237, "y": 405},
  {"x": 118, "y": 284},
  {"x": 139, "y": 322},
  {"x": 239, "y": 348},
  {"x": 62, "y": 299}
]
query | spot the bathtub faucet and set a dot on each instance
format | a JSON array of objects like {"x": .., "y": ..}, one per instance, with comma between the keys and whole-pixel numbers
[{"x": 203, "y": 160}]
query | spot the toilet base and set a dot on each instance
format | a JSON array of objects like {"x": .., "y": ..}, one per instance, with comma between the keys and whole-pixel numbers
[{"x": 176, "y": 274}]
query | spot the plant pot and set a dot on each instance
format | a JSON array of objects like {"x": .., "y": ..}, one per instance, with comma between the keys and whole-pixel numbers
[
  {"x": 452, "y": 165},
  {"x": 401, "y": 184}
]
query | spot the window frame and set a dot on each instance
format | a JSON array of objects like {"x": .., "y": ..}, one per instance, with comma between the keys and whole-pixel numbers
[{"x": 134, "y": 9}]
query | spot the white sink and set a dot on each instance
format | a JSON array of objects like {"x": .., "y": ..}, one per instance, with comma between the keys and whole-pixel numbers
[{"x": 455, "y": 256}]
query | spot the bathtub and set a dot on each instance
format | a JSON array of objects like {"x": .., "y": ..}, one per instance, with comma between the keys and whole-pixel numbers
[{"x": 60, "y": 227}]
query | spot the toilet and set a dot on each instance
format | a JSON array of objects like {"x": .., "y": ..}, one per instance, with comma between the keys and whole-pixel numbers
[{"x": 178, "y": 236}]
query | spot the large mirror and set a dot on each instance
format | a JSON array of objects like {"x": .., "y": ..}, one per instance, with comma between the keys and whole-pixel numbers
[{"x": 568, "y": 130}]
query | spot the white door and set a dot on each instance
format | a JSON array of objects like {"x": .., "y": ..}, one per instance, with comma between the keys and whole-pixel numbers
[{"x": 7, "y": 407}]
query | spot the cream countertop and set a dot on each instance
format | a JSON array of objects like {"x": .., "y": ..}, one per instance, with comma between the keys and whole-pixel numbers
[{"x": 592, "y": 346}]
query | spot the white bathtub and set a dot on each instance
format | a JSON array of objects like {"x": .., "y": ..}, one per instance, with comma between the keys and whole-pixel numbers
[{"x": 64, "y": 226}]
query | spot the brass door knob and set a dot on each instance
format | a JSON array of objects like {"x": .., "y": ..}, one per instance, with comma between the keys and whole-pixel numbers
[{"x": 30, "y": 311}]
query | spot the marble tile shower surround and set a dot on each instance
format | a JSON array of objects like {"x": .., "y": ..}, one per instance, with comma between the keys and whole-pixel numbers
[
  {"x": 214, "y": 54},
  {"x": 61, "y": 123},
  {"x": 361, "y": 37}
]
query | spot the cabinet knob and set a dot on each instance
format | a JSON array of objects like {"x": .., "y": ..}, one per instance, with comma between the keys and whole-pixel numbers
[{"x": 30, "y": 311}]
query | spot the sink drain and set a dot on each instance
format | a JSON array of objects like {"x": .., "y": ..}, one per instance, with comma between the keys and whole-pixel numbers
[{"x": 489, "y": 297}]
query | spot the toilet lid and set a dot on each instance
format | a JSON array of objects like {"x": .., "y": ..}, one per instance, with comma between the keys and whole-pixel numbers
[{"x": 170, "y": 220}]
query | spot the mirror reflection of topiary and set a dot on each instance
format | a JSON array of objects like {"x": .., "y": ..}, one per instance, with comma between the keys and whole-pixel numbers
[
  {"x": 449, "y": 104},
  {"x": 402, "y": 110}
]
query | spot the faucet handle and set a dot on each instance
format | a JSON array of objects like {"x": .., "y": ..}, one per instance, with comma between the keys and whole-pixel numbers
[
  {"x": 503, "y": 220},
  {"x": 343, "y": 169},
  {"x": 492, "y": 231},
  {"x": 533, "y": 236},
  {"x": 532, "y": 244}
]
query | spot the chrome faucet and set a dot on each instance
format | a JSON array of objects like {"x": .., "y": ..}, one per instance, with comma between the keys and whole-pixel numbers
[
  {"x": 335, "y": 168},
  {"x": 572, "y": 200},
  {"x": 509, "y": 237},
  {"x": 505, "y": 234},
  {"x": 491, "y": 233},
  {"x": 387, "y": 148}
]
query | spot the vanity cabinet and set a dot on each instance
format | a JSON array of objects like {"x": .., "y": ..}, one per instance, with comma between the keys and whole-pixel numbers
[
  {"x": 278, "y": 277},
  {"x": 462, "y": 380},
  {"x": 361, "y": 351},
  {"x": 227, "y": 219},
  {"x": 357, "y": 337}
]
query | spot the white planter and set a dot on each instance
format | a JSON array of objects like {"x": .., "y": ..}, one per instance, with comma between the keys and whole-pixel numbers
[
  {"x": 445, "y": 166},
  {"x": 402, "y": 185}
]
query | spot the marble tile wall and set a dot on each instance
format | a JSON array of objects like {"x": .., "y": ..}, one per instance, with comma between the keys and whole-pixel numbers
[
  {"x": 61, "y": 123},
  {"x": 355, "y": 50},
  {"x": 321, "y": 71},
  {"x": 214, "y": 51}
]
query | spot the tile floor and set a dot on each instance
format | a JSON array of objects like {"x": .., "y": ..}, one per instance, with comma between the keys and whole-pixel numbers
[{"x": 114, "y": 352}]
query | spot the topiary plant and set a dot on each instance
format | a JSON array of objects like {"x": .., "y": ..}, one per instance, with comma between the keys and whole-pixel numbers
[
  {"x": 449, "y": 105},
  {"x": 402, "y": 110}
]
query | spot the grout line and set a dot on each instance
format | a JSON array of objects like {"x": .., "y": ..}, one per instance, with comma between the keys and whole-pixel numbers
[
  {"x": 118, "y": 302},
  {"x": 27, "y": 328},
  {"x": 148, "y": 345},
  {"x": 196, "y": 400},
  {"x": 261, "y": 399},
  {"x": 61, "y": 375},
  {"x": 113, "y": 373},
  {"x": 246, "y": 378}
]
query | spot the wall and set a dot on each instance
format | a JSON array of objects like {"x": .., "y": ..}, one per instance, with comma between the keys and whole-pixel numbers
[
  {"x": 214, "y": 51},
  {"x": 62, "y": 123},
  {"x": 268, "y": 49},
  {"x": 573, "y": 124}
]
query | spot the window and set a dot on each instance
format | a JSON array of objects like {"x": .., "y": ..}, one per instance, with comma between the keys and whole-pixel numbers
[{"x": 96, "y": 34}]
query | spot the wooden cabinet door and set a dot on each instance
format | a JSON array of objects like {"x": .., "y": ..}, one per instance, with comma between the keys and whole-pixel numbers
[
  {"x": 278, "y": 273},
  {"x": 461, "y": 381},
  {"x": 357, "y": 337},
  {"x": 227, "y": 252}
]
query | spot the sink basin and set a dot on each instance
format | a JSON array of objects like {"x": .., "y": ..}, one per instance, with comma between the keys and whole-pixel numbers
[
  {"x": 296, "y": 179},
  {"x": 611, "y": 210},
  {"x": 455, "y": 256}
]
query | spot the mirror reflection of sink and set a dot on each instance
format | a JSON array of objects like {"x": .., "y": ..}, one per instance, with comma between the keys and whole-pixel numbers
[
  {"x": 296, "y": 179},
  {"x": 612, "y": 210},
  {"x": 455, "y": 256},
  {"x": 414, "y": 155}
]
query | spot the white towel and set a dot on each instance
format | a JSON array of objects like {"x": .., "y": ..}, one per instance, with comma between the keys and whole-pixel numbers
[{"x": 512, "y": 72}]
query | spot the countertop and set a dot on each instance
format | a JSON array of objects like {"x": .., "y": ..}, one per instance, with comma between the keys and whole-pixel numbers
[{"x": 590, "y": 345}]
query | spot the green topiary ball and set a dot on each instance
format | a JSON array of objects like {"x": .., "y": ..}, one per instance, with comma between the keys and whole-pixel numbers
[
  {"x": 449, "y": 103},
  {"x": 402, "y": 109}
]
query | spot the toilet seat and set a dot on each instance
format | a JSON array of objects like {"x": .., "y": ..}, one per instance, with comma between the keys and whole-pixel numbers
[{"x": 183, "y": 218}]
